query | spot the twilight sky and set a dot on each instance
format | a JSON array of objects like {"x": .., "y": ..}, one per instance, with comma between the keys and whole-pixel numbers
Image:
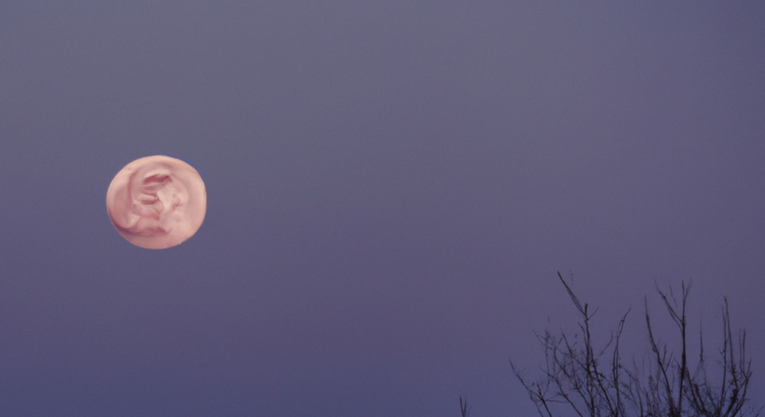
[{"x": 392, "y": 186}]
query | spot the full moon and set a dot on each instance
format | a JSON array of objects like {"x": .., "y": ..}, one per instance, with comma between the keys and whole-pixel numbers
[{"x": 157, "y": 202}]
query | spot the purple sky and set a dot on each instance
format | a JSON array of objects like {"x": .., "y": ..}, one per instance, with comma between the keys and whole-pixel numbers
[{"x": 392, "y": 186}]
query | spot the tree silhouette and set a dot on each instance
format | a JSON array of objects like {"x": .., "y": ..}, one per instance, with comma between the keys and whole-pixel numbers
[{"x": 595, "y": 382}]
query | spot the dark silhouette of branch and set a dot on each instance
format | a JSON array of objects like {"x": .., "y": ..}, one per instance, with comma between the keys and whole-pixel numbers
[
  {"x": 464, "y": 407},
  {"x": 573, "y": 376}
]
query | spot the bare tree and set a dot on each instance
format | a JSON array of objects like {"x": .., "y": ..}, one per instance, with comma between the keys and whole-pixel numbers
[{"x": 594, "y": 382}]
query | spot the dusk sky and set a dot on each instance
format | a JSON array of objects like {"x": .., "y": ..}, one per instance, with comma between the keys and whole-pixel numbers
[{"x": 392, "y": 187}]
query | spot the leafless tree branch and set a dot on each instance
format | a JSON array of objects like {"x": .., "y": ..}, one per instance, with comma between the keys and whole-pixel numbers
[{"x": 574, "y": 377}]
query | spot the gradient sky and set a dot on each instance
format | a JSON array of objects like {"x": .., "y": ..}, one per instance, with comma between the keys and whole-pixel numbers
[{"x": 392, "y": 186}]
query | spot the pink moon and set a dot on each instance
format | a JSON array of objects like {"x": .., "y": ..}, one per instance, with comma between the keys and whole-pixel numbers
[{"x": 157, "y": 202}]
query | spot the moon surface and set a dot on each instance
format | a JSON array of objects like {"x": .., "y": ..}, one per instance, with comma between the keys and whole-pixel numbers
[{"x": 157, "y": 202}]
